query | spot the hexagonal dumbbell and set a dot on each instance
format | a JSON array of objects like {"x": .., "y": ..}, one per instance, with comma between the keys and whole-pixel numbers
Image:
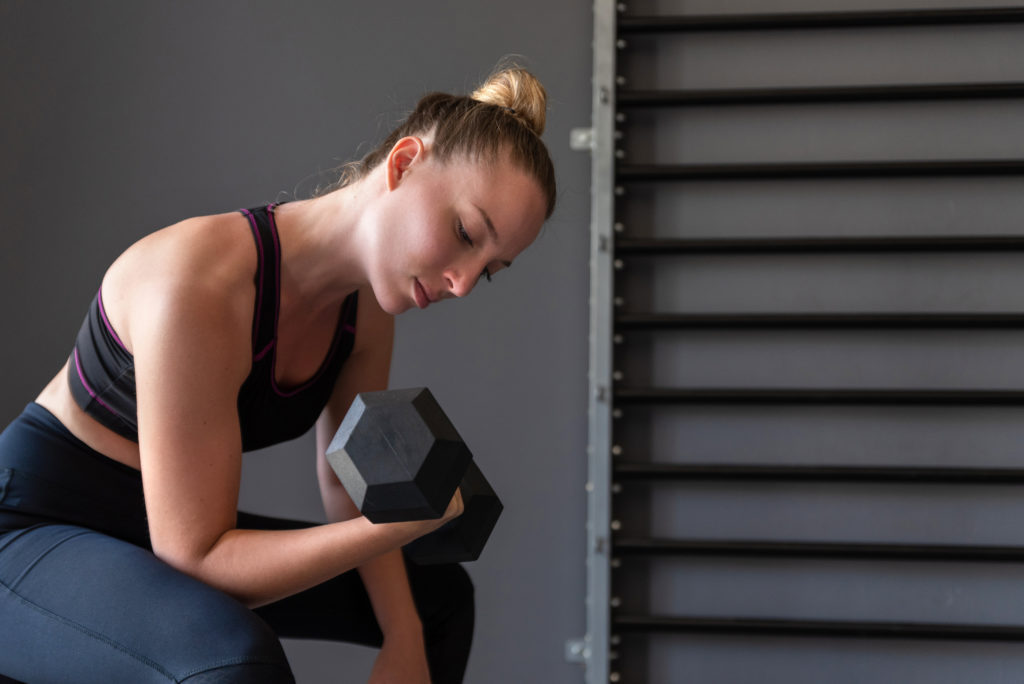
[{"x": 400, "y": 458}]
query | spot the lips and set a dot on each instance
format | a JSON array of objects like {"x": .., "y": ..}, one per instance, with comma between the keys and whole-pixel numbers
[{"x": 423, "y": 299}]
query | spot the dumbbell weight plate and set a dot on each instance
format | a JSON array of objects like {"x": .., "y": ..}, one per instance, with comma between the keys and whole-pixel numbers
[
  {"x": 462, "y": 539},
  {"x": 398, "y": 455}
]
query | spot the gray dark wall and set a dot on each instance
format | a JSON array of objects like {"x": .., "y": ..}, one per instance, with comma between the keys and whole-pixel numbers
[{"x": 120, "y": 117}]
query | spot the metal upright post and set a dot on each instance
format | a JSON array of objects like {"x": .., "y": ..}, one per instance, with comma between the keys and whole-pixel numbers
[{"x": 594, "y": 649}]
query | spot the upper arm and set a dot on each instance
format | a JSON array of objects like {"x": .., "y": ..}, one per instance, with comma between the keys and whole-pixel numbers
[
  {"x": 190, "y": 329},
  {"x": 189, "y": 366},
  {"x": 366, "y": 370}
]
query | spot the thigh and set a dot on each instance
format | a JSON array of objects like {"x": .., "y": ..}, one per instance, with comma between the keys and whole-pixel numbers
[{"x": 79, "y": 606}]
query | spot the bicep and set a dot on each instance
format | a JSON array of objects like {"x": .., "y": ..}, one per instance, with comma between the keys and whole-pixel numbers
[{"x": 189, "y": 361}]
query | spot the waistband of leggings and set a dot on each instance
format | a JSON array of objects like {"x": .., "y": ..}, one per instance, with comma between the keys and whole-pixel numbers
[
  {"x": 48, "y": 472},
  {"x": 69, "y": 458}
]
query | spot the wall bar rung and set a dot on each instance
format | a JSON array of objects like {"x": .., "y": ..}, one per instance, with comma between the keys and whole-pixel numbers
[
  {"x": 835, "y": 550},
  {"x": 816, "y": 95},
  {"x": 816, "y": 245},
  {"x": 818, "y": 170},
  {"x": 817, "y": 20},
  {"x": 817, "y": 628},
  {"x": 775, "y": 321},
  {"x": 859, "y": 397},
  {"x": 626, "y": 470}
]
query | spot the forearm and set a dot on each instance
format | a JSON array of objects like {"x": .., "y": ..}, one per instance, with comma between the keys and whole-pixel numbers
[
  {"x": 387, "y": 584},
  {"x": 261, "y": 566},
  {"x": 384, "y": 576}
]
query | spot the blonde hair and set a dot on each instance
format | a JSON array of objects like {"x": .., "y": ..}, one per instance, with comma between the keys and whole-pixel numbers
[
  {"x": 519, "y": 92},
  {"x": 504, "y": 116}
]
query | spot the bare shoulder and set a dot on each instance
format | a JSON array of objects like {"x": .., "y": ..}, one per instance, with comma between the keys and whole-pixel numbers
[{"x": 203, "y": 266}]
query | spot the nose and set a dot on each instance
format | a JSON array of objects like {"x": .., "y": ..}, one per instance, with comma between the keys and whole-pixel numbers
[{"x": 460, "y": 281}]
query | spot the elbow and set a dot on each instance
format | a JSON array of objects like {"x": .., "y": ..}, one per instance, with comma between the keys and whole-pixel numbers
[
  {"x": 202, "y": 564},
  {"x": 187, "y": 558},
  {"x": 182, "y": 558}
]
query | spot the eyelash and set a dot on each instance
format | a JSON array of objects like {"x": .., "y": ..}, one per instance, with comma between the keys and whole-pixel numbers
[{"x": 469, "y": 241}]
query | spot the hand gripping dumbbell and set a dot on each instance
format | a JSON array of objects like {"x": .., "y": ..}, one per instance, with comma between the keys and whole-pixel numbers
[{"x": 400, "y": 458}]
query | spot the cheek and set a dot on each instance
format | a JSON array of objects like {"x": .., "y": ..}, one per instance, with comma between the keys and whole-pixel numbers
[
  {"x": 429, "y": 241},
  {"x": 415, "y": 233},
  {"x": 398, "y": 237},
  {"x": 414, "y": 250}
]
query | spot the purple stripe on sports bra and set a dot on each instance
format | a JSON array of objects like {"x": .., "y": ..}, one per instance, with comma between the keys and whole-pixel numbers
[
  {"x": 271, "y": 208},
  {"x": 277, "y": 311},
  {"x": 85, "y": 384},
  {"x": 259, "y": 274},
  {"x": 263, "y": 352},
  {"x": 106, "y": 322}
]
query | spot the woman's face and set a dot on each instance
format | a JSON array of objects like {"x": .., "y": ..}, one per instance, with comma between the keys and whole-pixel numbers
[{"x": 441, "y": 227}]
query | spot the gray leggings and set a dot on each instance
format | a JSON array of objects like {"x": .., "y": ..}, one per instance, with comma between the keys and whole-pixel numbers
[{"x": 83, "y": 598}]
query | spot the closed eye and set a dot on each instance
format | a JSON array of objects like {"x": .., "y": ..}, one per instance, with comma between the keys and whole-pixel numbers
[
  {"x": 469, "y": 241},
  {"x": 463, "y": 234}
]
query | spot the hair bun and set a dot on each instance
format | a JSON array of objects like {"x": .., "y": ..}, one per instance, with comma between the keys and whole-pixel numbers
[{"x": 519, "y": 92}]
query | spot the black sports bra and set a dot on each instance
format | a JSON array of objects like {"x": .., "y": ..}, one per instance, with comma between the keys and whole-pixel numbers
[{"x": 102, "y": 373}]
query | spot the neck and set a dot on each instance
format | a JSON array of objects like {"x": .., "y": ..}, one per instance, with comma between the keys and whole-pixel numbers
[{"x": 322, "y": 247}]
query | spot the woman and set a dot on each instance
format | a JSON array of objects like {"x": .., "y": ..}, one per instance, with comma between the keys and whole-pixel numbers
[{"x": 122, "y": 556}]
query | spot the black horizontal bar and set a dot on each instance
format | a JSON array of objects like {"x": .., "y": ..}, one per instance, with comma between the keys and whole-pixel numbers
[
  {"x": 831, "y": 550},
  {"x": 797, "y": 245},
  {"x": 818, "y": 628},
  {"x": 817, "y": 20},
  {"x": 819, "y": 94},
  {"x": 875, "y": 397},
  {"x": 776, "y": 321},
  {"x": 818, "y": 170},
  {"x": 626, "y": 470}
]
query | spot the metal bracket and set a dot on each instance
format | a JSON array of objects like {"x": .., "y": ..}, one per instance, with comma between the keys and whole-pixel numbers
[
  {"x": 577, "y": 650},
  {"x": 581, "y": 139}
]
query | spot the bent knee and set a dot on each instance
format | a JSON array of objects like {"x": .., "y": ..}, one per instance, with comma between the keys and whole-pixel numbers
[
  {"x": 242, "y": 654},
  {"x": 223, "y": 642}
]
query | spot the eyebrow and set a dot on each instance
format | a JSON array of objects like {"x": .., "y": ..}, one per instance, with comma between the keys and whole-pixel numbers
[{"x": 490, "y": 228}]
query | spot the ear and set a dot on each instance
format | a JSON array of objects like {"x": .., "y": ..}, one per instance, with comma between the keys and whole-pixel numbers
[{"x": 403, "y": 155}]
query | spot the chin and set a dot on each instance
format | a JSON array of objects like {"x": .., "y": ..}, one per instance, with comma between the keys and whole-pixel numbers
[
  {"x": 392, "y": 308},
  {"x": 393, "y": 305},
  {"x": 399, "y": 309}
]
